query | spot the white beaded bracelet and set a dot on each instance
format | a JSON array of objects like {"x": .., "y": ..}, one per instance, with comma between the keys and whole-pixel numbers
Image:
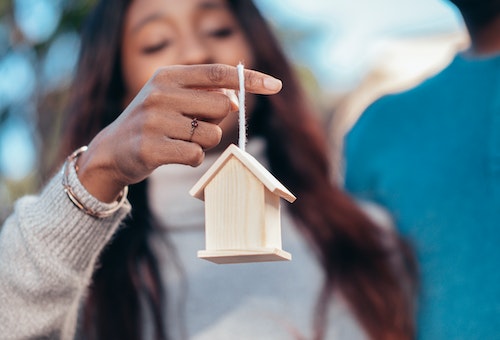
[{"x": 78, "y": 202}]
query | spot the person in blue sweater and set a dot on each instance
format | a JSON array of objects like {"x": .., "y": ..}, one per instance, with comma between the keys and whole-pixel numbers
[{"x": 431, "y": 157}]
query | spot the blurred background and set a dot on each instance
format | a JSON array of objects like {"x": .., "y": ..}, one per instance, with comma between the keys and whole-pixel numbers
[{"x": 347, "y": 52}]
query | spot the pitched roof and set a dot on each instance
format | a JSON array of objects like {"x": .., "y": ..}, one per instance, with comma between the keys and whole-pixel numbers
[{"x": 257, "y": 169}]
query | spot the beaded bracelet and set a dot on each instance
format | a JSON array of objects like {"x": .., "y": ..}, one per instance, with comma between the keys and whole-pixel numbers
[{"x": 77, "y": 201}]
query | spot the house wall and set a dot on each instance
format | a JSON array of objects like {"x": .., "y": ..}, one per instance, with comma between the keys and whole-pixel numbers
[
  {"x": 235, "y": 209},
  {"x": 272, "y": 233}
]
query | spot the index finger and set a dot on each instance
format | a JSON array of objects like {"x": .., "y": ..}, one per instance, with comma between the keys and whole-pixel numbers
[{"x": 221, "y": 76}]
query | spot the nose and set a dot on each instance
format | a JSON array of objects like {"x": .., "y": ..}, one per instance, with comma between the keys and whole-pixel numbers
[{"x": 194, "y": 51}]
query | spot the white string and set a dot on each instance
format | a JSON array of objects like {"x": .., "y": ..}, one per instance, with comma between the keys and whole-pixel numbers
[{"x": 242, "y": 141}]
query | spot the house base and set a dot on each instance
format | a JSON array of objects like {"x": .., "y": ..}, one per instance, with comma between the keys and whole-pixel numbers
[{"x": 244, "y": 255}]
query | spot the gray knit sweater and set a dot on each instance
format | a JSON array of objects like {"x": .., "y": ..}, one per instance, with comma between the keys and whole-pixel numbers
[{"x": 48, "y": 250}]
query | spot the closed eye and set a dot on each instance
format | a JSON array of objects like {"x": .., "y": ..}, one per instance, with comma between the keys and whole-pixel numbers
[
  {"x": 156, "y": 47},
  {"x": 222, "y": 33}
]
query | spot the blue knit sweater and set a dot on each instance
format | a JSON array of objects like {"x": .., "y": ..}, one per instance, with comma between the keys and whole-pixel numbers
[{"x": 431, "y": 156}]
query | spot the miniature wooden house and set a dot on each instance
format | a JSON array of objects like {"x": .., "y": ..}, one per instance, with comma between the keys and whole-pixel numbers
[{"x": 242, "y": 210}]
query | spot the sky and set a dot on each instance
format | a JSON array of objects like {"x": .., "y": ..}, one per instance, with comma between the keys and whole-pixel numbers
[
  {"x": 351, "y": 34},
  {"x": 344, "y": 39}
]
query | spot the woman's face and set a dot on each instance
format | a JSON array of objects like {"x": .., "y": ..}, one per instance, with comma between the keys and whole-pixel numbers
[{"x": 171, "y": 32}]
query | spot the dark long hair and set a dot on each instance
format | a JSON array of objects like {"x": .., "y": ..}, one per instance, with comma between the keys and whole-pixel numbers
[
  {"x": 478, "y": 13},
  {"x": 371, "y": 268}
]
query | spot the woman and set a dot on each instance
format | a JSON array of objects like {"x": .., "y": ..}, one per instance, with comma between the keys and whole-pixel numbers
[{"x": 135, "y": 114}]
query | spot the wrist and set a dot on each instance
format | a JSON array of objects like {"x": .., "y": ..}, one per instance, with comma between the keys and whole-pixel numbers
[{"x": 97, "y": 177}]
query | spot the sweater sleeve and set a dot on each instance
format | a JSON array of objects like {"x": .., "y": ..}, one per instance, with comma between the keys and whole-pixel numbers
[{"x": 48, "y": 252}]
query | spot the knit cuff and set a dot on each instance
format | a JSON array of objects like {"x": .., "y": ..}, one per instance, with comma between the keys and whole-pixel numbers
[{"x": 57, "y": 225}]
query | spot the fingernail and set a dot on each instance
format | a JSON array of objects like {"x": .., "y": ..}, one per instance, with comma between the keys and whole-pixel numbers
[
  {"x": 272, "y": 84},
  {"x": 233, "y": 98}
]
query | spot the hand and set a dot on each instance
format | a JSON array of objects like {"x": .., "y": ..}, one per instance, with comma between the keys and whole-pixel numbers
[{"x": 156, "y": 127}]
